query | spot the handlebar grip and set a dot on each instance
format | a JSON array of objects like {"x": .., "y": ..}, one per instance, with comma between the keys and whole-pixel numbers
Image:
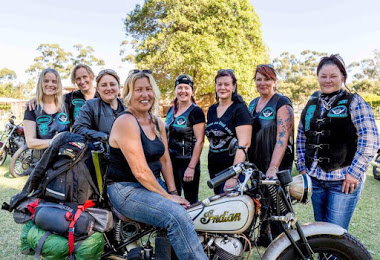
[{"x": 223, "y": 176}]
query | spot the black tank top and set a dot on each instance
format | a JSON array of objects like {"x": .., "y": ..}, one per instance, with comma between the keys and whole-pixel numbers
[{"x": 119, "y": 170}]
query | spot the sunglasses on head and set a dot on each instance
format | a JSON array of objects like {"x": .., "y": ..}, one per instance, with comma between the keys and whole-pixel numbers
[
  {"x": 106, "y": 71},
  {"x": 138, "y": 71},
  {"x": 226, "y": 70},
  {"x": 265, "y": 65}
]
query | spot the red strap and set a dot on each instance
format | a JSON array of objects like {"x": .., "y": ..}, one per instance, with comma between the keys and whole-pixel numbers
[
  {"x": 81, "y": 208},
  {"x": 32, "y": 206}
]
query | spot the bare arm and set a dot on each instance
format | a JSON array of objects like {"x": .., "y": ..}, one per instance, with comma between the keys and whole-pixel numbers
[
  {"x": 243, "y": 133},
  {"x": 125, "y": 134},
  {"x": 32, "y": 141},
  {"x": 285, "y": 124},
  {"x": 199, "y": 133}
]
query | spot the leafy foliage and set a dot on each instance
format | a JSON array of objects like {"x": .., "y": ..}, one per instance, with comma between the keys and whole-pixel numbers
[
  {"x": 197, "y": 37},
  {"x": 52, "y": 55},
  {"x": 7, "y": 87}
]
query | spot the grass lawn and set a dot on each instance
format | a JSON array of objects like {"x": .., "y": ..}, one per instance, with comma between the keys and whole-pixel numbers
[{"x": 364, "y": 223}]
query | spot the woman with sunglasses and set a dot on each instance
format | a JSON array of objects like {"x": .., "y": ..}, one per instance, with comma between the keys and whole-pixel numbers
[
  {"x": 185, "y": 126},
  {"x": 272, "y": 135},
  {"x": 227, "y": 119},
  {"x": 138, "y": 156},
  {"x": 337, "y": 139},
  {"x": 96, "y": 117}
]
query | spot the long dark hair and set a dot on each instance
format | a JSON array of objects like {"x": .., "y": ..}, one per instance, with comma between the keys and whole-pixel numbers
[{"x": 229, "y": 73}]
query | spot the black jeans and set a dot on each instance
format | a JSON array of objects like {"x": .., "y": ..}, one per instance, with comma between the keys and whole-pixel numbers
[{"x": 191, "y": 188}]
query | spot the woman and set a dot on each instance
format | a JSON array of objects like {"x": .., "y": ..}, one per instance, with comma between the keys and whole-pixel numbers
[
  {"x": 226, "y": 119},
  {"x": 138, "y": 154},
  {"x": 82, "y": 76},
  {"x": 185, "y": 125},
  {"x": 96, "y": 117},
  {"x": 337, "y": 139},
  {"x": 272, "y": 135},
  {"x": 48, "y": 118}
]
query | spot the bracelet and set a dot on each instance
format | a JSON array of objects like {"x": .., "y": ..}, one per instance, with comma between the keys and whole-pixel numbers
[
  {"x": 173, "y": 192},
  {"x": 274, "y": 168},
  {"x": 190, "y": 167}
]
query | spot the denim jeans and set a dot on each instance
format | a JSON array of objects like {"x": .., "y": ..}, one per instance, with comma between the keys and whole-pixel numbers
[
  {"x": 140, "y": 204},
  {"x": 332, "y": 205}
]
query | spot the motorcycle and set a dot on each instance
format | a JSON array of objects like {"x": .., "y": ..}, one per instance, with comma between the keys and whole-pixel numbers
[
  {"x": 376, "y": 166},
  {"x": 227, "y": 224},
  {"x": 14, "y": 145}
]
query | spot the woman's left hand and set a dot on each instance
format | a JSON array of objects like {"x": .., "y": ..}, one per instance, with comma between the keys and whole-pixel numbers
[
  {"x": 189, "y": 175},
  {"x": 271, "y": 172},
  {"x": 230, "y": 183},
  {"x": 349, "y": 184}
]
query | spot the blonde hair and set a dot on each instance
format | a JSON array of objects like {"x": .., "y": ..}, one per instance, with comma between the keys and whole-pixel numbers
[
  {"x": 128, "y": 92},
  {"x": 86, "y": 67},
  {"x": 40, "y": 88},
  {"x": 107, "y": 72}
]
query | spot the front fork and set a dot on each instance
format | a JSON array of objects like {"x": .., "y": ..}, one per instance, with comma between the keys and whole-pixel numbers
[{"x": 304, "y": 250}]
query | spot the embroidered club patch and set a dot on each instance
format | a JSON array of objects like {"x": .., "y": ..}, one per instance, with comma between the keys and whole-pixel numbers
[
  {"x": 77, "y": 144},
  {"x": 309, "y": 115},
  {"x": 267, "y": 113},
  {"x": 338, "y": 111}
]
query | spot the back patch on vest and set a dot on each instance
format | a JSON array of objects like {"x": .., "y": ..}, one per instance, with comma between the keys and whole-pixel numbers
[
  {"x": 180, "y": 121},
  {"x": 338, "y": 111},
  {"x": 267, "y": 113},
  {"x": 309, "y": 115}
]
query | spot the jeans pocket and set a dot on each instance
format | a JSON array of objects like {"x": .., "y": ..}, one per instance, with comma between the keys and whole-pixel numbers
[{"x": 120, "y": 190}]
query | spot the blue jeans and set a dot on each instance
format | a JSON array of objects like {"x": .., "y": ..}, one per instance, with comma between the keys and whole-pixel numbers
[
  {"x": 137, "y": 203},
  {"x": 332, "y": 205}
]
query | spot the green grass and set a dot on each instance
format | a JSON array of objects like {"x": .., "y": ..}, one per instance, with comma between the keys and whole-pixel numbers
[{"x": 364, "y": 224}]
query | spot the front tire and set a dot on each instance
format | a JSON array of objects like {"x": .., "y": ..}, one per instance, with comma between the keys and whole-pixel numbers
[
  {"x": 3, "y": 156},
  {"x": 345, "y": 247},
  {"x": 20, "y": 161}
]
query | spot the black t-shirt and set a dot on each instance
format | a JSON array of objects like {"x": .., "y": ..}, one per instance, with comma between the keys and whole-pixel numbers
[
  {"x": 197, "y": 116},
  {"x": 73, "y": 101},
  {"x": 220, "y": 132},
  {"x": 47, "y": 124}
]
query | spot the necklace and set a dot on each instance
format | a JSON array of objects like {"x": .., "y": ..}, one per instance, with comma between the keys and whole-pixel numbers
[{"x": 261, "y": 104}]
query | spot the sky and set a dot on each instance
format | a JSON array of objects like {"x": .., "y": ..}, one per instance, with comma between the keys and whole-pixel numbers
[{"x": 348, "y": 27}]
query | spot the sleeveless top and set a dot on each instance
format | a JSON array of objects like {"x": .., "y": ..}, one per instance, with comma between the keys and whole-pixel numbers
[
  {"x": 264, "y": 134},
  {"x": 119, "y": 170},
  {"x": 331, "y": 136}
]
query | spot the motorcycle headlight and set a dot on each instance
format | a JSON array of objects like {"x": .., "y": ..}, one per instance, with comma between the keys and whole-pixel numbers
[{"x": 301, "y": 188}]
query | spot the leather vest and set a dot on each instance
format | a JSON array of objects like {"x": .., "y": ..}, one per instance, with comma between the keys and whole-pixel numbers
[
  {"x": 180, "y": 134},
  {"x": 264, "y": 135},
  {"x": 331, "y": 136},
  {"x": 49, "y": 125}
]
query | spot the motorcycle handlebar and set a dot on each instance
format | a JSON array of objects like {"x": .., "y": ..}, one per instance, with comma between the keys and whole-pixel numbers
[{"x": 224, "y": 175}]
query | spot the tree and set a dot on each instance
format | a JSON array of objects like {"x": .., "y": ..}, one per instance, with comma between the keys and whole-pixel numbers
[
  {"x": 297, "y": 74},
  {"x": 197, "y": 37},
  {"x": 7, "y": 75},
  {"x": 52, "y": 55},
  {"x": 7, "y": 87}
]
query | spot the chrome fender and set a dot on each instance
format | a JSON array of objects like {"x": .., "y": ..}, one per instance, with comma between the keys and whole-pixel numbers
[{"x": 317, "y": 228}]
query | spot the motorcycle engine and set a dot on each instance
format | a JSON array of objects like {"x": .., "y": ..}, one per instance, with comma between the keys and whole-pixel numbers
[
  {"x": 19, "y": 141},
  {"x": 228, "y": 248}
]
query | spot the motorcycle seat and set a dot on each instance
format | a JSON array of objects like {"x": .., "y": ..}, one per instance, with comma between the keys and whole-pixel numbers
[{"x": 120, "y": 216}]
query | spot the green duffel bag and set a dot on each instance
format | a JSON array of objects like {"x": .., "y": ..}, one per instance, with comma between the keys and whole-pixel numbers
[{"x": 55, "y": 247}]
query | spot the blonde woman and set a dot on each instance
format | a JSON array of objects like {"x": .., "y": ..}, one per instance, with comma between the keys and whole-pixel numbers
[
  {"x": 138, "y": 156},
  {"x": 47, "y": 119}
]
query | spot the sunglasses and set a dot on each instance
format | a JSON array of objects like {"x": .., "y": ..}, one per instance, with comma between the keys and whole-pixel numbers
[
  {"x": 226, "y": 70},
  {"x": 107, "y": 72},
  {"x": 138, "y": 71},
  {"x": 265, "y": 65}
]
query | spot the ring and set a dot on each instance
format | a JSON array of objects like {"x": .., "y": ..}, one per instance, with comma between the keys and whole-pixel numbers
[{"x": 352, "y": 184}]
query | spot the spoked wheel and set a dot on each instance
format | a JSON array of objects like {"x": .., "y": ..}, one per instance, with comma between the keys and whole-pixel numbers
[
  {"x": 328, "y": 247},
  {"x": 21, "y": 161},
  {"x": 376, "y": 167},
  {"x": 3, "y": 156}
]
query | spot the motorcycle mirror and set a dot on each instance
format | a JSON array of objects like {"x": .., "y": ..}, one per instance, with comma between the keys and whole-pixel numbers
[{"x": 232, "y": 148}]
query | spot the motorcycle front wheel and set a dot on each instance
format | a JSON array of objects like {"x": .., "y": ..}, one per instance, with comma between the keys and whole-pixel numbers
[
  {"x": 3, "y": 156},
  {"x": 345, "y": 247},
  {"x": 20, "y": 161}
]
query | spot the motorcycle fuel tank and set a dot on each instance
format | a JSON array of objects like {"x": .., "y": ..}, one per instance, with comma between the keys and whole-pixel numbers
[{"x": 227, "y": 214}]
